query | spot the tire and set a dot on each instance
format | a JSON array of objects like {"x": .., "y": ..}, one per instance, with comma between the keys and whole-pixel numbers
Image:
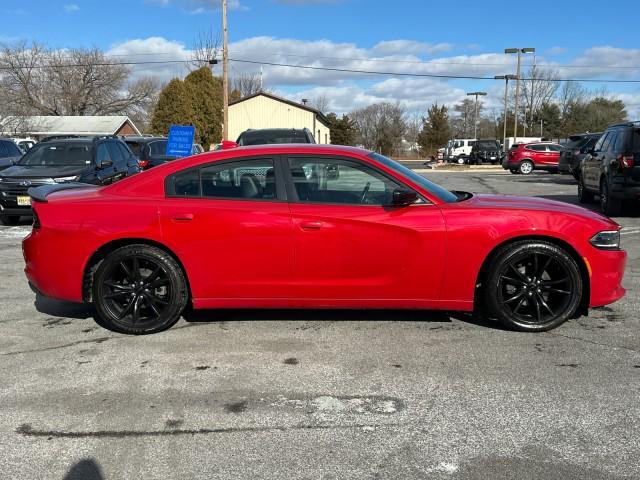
[
  {"x": 139, "y": 289},
  {"x": 532, "y": 286},
  {"x": 460, "y": 160},
  {"x": 584, "y": 195},
  {"x": 9, "y": 219},
  {"x": 610, "y": 206},
  {"x": 526, "y": 167}
]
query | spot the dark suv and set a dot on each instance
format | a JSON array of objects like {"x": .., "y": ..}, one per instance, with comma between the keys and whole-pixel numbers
[
  {"x": 267, "y": 136},
  {"x": 485, "y": 151},
  {"x": 95, "y": 160},
  {"x": 151, "y": 151},
  {"x": 574, "y": 151},
  {"x": 612, "y": 168},
  {"x": 9, "y": 153}
]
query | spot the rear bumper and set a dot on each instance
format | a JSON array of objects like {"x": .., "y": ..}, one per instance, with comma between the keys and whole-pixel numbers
[
  {"x": 22, "y": 211},
  {"x": 625, "y": 188}
]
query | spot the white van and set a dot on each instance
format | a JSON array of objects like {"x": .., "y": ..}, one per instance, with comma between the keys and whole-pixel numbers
[{"x": 458, "y": 149}]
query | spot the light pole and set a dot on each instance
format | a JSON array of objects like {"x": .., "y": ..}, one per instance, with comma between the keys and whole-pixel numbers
[
  {"x": 225, "y": 74},
  {"x": 506, "y": 79},
  {"x": 519, "y": 51},
  {"x": 475, "y": 116}
]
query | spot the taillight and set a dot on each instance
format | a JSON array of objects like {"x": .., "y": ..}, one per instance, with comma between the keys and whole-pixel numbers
[
  {"x": 143, "y": 163},
  {"x": 626, "y": 160}
]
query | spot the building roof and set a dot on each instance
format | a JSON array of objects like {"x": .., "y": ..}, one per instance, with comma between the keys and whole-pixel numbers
[
  {"x": 301, "y": 106},
  {"x": 73, "y": 125}
]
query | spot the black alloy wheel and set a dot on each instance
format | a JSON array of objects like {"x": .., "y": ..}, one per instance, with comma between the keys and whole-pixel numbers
[
  {"x": 10, "y": 219},
  {"x": 533, "y": 286},
  {"x": 139, "y": 289},
  {"x": 609, "y": 205}
]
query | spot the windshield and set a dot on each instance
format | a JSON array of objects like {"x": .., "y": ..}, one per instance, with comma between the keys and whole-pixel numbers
[
  {"x": 135, "y": 147},
  {"x": 158, "y": 148},
  {"x": 47, "y": 155},
  {"x": 437, "y": 190},
  {"x": 273, "y": 136},
  {"x": 487, "y": 145}
]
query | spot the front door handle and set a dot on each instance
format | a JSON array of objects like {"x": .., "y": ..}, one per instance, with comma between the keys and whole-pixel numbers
[
  {"x": 310, "y": 225},
  {"x": 183, "y": 217}
]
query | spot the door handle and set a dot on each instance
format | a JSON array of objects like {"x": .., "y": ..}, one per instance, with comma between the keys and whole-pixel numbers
[
  {"x": 310, "y": 225},
  {"x": 183, "y": 217}
]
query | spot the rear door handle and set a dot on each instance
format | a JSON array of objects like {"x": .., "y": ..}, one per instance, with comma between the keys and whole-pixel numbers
[
  {"x": 183, "y": 217},
  {"x": 310, "y": 225}
]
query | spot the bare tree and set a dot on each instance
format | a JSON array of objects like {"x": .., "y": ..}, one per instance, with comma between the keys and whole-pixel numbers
[
  {"x": 247, "y": 84},
  {"x": 538, "y": 90},
  {"x": 321, "y": 103},
  {"x": 381, "y": 126},
  {"x": 569, "y": 94},
  {"x": 38, "y": 81},
  {"x": 206, "y": 47}
]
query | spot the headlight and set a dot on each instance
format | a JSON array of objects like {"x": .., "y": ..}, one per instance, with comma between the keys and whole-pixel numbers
[
  {"x": 67, "y": 179},
  {"x": 607, "y": 240}
]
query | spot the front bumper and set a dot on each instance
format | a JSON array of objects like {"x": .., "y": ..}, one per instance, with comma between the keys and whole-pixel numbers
[{"x": 606, "y": 269}]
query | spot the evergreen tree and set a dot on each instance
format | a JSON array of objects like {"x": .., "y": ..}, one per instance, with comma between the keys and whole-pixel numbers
[
  {"x": 343, "y": 130},
  {"x": 205, "y": 98},
  {"x": 435, "y": 129},
  {"x": 173, "y": 108}
]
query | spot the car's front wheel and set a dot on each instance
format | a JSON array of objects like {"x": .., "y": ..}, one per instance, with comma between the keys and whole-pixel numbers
[
  {"x": 9, "y": 219},
  {"x": 139, "y": 289},
  {"x": 533, "y": 286}
]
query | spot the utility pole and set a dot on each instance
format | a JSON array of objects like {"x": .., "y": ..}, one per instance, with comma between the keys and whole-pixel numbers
[
  {"x": 225, "y": 73},
  {"x": 506, "y": 79},
  {"x": 475, "y": 116},
  {"x": 519, "y": 51}
]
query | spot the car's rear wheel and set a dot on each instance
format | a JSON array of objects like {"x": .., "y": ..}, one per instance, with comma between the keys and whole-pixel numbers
[
  {"x": 526, "y": 167},
  {"x": 9, "y": 219},
  {"x": 610, "y": 206},
  {"x": 139, "y": 289},
  {"x": 584, "y": 195},
  {"x": 533, "y": 286}
]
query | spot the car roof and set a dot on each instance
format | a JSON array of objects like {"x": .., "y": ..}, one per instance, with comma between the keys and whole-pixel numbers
[{"x": 141, "y": 139}]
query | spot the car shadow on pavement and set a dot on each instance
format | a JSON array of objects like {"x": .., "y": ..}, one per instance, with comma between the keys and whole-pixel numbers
[
  {"x": 86, "y": 469},
  {"x": 333, "y": 315},
  {"x": 628, "y": 210},
  {"x": 58, "y": 308}
]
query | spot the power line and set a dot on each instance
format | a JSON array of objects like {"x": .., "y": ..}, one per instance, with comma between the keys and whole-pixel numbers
[
  {"x": 316, "y": 68},
  {"x": 428, "y": 75}
]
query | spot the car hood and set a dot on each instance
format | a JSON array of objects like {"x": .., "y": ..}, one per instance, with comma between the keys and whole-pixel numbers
[
  {"x": 514, "y": 202},
  {"x": 36, "y": 171}
]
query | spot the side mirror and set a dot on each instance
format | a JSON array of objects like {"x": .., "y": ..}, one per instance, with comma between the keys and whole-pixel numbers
[
  {"x": 228, "y": 144},
  {"x": 402, "y": 196},
  {"x": 105, "y": 163}
]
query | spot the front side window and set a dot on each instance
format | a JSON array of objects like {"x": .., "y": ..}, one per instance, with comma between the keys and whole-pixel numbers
[
  {"x": 555, "y": 148},
  {"x": 245, "y": 179},
  {"x": 332, "y": 180},
  {"x": 102, "y": 154},
  {"x": 600, "y": 143},
  {"x": 537, "y": 148}
]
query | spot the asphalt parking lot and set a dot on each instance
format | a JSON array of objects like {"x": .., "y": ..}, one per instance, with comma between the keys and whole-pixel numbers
[{"x": 321, "y": 394}]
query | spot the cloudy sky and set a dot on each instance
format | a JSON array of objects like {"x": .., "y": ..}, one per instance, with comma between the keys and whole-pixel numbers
[{"x": 416, "y": 37}]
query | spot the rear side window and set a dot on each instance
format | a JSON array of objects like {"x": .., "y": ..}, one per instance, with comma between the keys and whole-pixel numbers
[
  {"x": 245, "y": 179},
  {"x": 135, "y": 147},
  {"x": 537, "y": 148},
  {"x": 600, "y": 142},
  {"x": 158, "y": 148},
  {"x": 620, "y": 145},
  {"x": 9, "y": 149},
  {"x": 609, "y": 141},
  {"x": 554, "y": 148}
]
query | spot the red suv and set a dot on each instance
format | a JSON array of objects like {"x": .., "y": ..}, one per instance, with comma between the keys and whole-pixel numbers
[{"x": 526, "y": 157}]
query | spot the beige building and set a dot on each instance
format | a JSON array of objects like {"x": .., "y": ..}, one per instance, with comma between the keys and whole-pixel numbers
[{"x": 265, "y": 110}]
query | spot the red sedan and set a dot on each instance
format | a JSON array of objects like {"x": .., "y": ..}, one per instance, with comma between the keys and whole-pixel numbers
[
  {"x": 526, "y": 157},
  {"x": 314, "y": 226}
]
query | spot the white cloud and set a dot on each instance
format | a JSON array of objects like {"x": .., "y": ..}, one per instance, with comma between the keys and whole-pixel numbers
[
  {"x": 348, "y": 90},
  {"x": 71, "y": 7},
  {"x": 411, "y": 47}
]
